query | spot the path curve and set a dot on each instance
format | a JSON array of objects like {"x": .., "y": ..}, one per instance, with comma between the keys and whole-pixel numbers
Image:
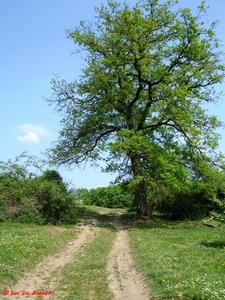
[{"x": 35, "y": 279}]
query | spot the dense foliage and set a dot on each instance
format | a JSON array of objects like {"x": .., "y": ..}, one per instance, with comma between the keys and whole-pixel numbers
[
  {"x": 113, "y": 196},
  {"x": 30, "y": 198},
  {"x": 139, "y": 105}
]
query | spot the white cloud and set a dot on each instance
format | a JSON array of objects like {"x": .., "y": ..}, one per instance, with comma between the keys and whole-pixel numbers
[
  {"x": 29, "y": 137},
  {"x": 31, "y": 133}
]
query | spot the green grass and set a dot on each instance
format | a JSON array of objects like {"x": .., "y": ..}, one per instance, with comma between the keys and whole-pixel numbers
[
  {"x": 86, "y": 278},
  {"x": 181, "y": 260},
  {"x": 22, "y": 246}
]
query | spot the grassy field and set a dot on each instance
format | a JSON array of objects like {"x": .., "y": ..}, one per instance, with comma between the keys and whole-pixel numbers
[{"x": 180, "y": 260}]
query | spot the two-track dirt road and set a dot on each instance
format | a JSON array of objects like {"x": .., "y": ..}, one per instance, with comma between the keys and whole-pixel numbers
[{"x": 123, "y": 280}]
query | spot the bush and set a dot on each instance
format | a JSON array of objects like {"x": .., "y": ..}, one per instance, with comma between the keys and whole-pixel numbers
[
  {"x": 34, "y": 199},
  {"x": 197, "y": 200},
  {"x": 56, "y": 206}
]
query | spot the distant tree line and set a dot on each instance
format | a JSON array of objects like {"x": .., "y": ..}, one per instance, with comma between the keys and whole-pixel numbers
[{"x": 113, "y": 196}]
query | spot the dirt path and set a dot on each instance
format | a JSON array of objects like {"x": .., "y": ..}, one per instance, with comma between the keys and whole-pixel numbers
[
  {"x": 124, "y": 281},
  {"x": 35, "y": 280}
]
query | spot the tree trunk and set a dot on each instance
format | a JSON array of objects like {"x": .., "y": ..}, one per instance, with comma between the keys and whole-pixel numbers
[{"x": 140, "y": 198}]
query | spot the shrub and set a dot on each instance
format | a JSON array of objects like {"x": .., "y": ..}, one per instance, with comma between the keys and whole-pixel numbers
[
  {"x": 56, "y": 206},
  {"x": 197, "y": 200},
  {"x": 34, "y": 199}
]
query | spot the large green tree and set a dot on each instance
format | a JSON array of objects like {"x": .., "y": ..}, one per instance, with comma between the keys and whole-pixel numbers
[{"x": 139, "y": 103}]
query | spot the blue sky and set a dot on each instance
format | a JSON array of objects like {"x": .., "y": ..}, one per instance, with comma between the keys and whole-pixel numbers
[{"x": 33, "y": 48}]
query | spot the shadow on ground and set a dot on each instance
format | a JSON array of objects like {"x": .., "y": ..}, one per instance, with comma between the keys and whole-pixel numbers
[
  {"x": 101, "y": 217},
  {"x": 105, "y": 217},
  {"x": 215, "y": 244}
]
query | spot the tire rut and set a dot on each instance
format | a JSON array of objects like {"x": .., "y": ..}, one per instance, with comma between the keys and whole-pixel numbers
[
  {"x": 35, "y": 279},
  {"x": 125, "y": 282}
]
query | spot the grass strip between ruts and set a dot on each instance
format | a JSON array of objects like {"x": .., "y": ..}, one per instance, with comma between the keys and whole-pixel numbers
[{"x": 86, "y": 278}]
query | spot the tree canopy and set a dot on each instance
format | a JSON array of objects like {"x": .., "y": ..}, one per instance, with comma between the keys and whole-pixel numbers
[{"x": 139, "y": 104}]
